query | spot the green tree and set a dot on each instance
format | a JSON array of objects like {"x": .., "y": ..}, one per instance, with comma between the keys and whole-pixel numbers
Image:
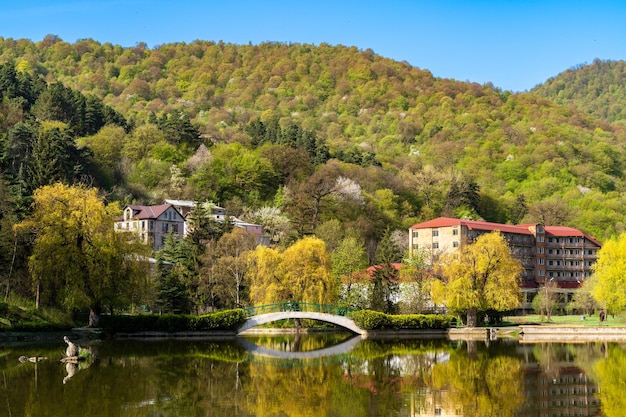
[
  {"x": 347, "y": 261},
  {"x": 385, "y": 276},
  {"x": 416, "y": 275},
  {"x": 266, "y": 283},
  {"x": 609, "y": 287},
  {"x": 177, "y": 276},
  {"x": 481, "y": 276},
  {"x": 230, "y": 268},
  {"x": 546, "y": 300},
  {"x": 139, "y": 144},
  {"x": 78, "y": 259},
  {"x": 306, "y": 269},
  {"x": 583, "y": 301},
  {"x": 300, "y": 273},
  {"x": 481, "y": 386},
  {"x": 106, "y": 146},
  {"x": 611, "y": 381}
]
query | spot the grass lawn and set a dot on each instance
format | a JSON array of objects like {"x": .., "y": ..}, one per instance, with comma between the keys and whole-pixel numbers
[{"x": 592, "y": 321}]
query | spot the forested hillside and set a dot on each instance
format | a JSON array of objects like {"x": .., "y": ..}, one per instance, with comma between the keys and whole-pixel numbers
[
  {"x": 330, "y": 137},
  {"x": 598, "y": 89}
]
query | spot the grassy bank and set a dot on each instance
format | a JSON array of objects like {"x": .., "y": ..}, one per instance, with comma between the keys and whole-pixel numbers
[{"x": 19, "y": 315}]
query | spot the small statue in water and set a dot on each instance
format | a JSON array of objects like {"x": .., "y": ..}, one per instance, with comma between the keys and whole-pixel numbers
[{"x": 72, "y": 349}]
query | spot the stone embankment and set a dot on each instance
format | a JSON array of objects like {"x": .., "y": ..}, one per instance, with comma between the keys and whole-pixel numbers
[{"x": 571, "y": 334}]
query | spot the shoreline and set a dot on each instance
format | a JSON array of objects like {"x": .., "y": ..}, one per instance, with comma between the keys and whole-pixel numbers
[{"x": 522, "y": 333}]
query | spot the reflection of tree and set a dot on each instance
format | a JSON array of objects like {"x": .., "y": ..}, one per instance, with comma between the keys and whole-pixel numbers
[
  {"x": 486, "y": 386},
  {"x": 611, "y": 381},
  {"x": 550, "y": 357},
  {"x": 304, "y": 391}
]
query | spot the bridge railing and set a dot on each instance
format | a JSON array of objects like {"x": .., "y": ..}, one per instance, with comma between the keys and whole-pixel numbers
[{"x": 297, "y": 306}]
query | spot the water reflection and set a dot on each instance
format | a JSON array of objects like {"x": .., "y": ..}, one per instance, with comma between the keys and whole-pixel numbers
[
  {"x": 284, "y": 375},
  {"x": 286, "y": 350}
]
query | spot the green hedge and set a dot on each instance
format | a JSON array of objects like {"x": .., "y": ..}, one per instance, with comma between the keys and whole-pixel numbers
[
  {"x": 375, "y": 320},
  {"x": 221, "y": 320}
]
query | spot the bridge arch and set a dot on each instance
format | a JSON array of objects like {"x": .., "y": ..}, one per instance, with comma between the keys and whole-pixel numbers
[{"x": 340, "y": 321}]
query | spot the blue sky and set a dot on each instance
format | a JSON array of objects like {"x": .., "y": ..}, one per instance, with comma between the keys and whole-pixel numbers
[{"x": 513, "y": 44}]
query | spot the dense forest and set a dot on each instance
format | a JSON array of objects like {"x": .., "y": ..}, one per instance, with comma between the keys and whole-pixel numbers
[
  {"x": 326, "y": 140},
  {"x": 598, "y": 89}
]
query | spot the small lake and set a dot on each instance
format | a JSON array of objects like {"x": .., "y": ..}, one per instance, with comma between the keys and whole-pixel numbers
[{"x": 315, "y": 375}]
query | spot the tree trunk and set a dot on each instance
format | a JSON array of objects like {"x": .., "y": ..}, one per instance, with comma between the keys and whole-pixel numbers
[
  {"x": 94, "y": 316},
  {"x": 472, "y": 317},
  {"x": 472, "y": 349}
]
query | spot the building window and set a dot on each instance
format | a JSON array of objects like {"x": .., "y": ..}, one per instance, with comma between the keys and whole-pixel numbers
[
  {"x": 539, "y": 250},
  {"x": 541, "y": 272},
  {"x": 550, "y": 240},
  {"x": 151, "y": 225},
  {"x": 165, "y": 227},
  {"x": 175, "y": 228},
  {"x": 435, "y": 233},
  {"x": 416, "y": 246},
  {"x": 540, "y": 261},
  {"x": 455, "y": 244},
  {"x": 436, "y": 245},
  {"x": 415, "y": 234},
  {"x": 540, "y": 238},
  {"x": 455, "y": 232}
]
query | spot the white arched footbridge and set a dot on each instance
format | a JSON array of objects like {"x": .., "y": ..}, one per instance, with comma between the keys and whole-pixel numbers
[{"x": 297, "y": 310}]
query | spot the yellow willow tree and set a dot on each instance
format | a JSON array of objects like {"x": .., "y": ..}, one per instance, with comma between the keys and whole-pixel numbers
[
  {"x": 609, "y": 280},
  {"x": 300, "y": 273},
  {"x": 481, "y": 276},
  {"x": 78, "y": 259}
]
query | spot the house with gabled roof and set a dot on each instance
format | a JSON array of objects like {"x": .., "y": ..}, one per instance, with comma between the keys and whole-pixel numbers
[
  {"x": 546, "y": 253},
  {"x": 151, "y": 224}
]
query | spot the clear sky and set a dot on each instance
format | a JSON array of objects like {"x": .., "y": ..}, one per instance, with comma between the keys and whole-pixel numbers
[{"x": 514, "y": 44}]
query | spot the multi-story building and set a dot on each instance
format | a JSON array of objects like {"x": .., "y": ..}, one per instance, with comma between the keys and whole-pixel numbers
[
  {"x": 219, "y": 214},
  {"x": 151, "y": 224},
  {"x": 557, "y": 253}
]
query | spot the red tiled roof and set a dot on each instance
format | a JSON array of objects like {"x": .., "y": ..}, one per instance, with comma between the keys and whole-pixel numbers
[
  {"x": 396, "y": 265},
  {"x": 564, "y": 231},
  {"x": 557, "y": 231},
  {"x": 471, "y": 224},
  {"x": 148, "y": 212}
]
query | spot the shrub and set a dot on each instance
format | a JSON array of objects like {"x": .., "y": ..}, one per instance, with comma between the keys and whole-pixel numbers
[
  {"x": 375, "y": 320},
  {"x": 221, "y": 320}
]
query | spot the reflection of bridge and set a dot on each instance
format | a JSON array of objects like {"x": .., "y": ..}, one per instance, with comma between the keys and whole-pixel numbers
[
  {"x": 339, "y": 349},
  {"x": 298, "y": 310}
]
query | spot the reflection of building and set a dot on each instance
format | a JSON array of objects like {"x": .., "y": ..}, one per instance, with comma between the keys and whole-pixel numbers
[
  {"x": 562, "y": 254},
  {"x": 433, "y": 403},
  {"x": 567, "y": 393}
]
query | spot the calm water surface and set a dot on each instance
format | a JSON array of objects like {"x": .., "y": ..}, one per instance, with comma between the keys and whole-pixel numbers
[{"x": 319, "y": 375}]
